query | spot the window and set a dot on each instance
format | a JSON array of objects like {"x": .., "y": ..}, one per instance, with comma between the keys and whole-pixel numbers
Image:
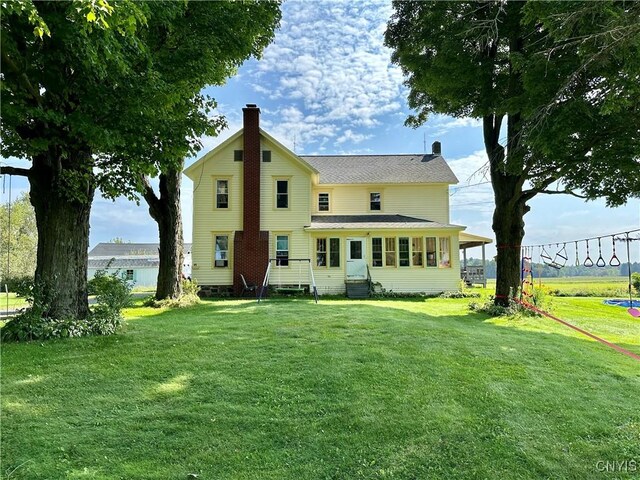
[
  {"x": 323, "y": 202},
  {"x": 334, "y": 252},
  {"x": 321, "y": 252},
  {"x": 432, "y": 260},
  {"x": 445, "y": 261},
  {"x": 374, "y": 201},
  {"x": 221, "y": 253},
  {"x": 282, "y": 250},
  {"x": 376, "y": 252},
  {"x": 282, "y": 193},
  {"x": 266, "y": 156},
  {"x": 403, "y": 251},
  {"x": 129, "y": 275},
  {"x": 390, "y": 249},
  {"x": 222, "y": 193},
  {"x": 416, "y": 252},
  {"x": 238, "y": 155}
]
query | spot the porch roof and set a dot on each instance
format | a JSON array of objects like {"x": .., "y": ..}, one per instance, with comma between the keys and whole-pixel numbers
[
  {"x": 468, "y": 240},
  {"x": 375, "y": 222}
]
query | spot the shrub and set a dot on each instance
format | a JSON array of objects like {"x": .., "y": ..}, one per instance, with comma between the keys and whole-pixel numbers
[
  {"x": 635, "y": 281},
  {"x": 113, "y": 294},
  {"x": 15, "y": 282},
  {"x": 188, "y": 298}
]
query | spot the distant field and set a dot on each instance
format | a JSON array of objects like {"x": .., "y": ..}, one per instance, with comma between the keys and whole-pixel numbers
[
  {"x": 14, "y": 302},
  {"x": 581, "y": 286}
]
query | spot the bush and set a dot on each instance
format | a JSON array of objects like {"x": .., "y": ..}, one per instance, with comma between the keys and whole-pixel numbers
[
  {"x": 112, "y": 294},
  {"x": 188, "y": 298},
  {"x": 15, "y": 282},
  {"x": 635, "y": 281}
]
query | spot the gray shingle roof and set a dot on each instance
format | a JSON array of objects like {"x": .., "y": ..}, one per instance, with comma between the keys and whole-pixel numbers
[
  {"x": 128, "y": 249},
  {"x": 359, "y": 222},
  {"x": 124, "y": 262},
  {"x": 418, "y": 168}
]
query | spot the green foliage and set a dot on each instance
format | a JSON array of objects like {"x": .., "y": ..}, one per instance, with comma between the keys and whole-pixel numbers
[
  {"x": 112, "y": 295},
  {"x": 564, "y": 73},
  {"x": 188, "y": 298},
  {"x": 20, "y": 240},
  {"x": 635, "y": 281}
]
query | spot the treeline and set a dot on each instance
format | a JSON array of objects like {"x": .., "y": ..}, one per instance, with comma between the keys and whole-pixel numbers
[{"x": 542, "y": 270}]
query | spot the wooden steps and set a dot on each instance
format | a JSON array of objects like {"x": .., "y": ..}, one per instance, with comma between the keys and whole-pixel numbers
[{"x": 357, "y": 288}]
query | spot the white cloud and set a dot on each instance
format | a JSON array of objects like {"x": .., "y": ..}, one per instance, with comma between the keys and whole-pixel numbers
[
  {"x": 440, "y": 125},
  {"x": 328, "y": 58}
]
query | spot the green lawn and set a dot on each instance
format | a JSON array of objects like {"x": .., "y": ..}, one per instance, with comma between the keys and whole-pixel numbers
[
  {"x": 339, "y": 390},
  {"x": 581, "y": 286},
  {"x": 13, "y": 301}
]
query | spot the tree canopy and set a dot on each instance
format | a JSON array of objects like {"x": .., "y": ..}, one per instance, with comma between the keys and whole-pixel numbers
[{"x": 559, "y": 78}]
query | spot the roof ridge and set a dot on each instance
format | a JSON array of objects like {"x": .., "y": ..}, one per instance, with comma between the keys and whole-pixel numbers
[{"x": 371, "y": 155}]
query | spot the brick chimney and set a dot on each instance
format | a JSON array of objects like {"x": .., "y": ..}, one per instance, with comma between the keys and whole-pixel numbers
[
  {"x": 251, "y": 246},
  {"x": 251, "y": 171},
  {"x": 436, "y": 148}
]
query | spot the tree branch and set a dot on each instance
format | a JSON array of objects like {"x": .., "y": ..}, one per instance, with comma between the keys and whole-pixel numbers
[
  {"x": 35, "y": 94},
  {"x": 23, "y": 172},
  {"x": 564, "y": 192},
  {"x": 151, "y": 198}
]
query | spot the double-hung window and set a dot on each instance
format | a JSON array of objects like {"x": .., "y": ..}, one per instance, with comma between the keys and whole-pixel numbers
[
  {"x": 390, "y": 251},
  {"x": 221, "y": 251},
  {"x": 416, "y": 252},
  {"x": 323, "y": 202},
  {"x": 282, "y": 250},
  {"x": 432, "y": 259},
  {"x": 375, "y": 201},
  {"x": 445, "y": 259},
  {"x": 376, "y": 252},
  {"x": 403, "y": 251},
  {"x": 321, "y": 252},
  {"x": 334, "y": 252},
  {"x": 282, "y": 193},
  {"x": 222, "y": 193}
]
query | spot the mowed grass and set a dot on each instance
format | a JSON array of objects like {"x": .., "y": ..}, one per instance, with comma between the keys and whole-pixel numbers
[
  {"x": 12, "y": 301},
  {"x": 340, "y": 390},
  {"x": 581, "y": 286}
]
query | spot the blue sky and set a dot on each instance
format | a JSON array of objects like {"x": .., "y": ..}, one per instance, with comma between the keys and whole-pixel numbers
[{"x": 326, "y": 86}]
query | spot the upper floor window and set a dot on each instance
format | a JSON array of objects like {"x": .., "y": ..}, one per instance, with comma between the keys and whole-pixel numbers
[
  {"x": 222, "y": 193},
  {"x": 323, "y": 202},
  {"x": 221, "y": 252},
  {"x": 282, "y": 193},
  {"x": 375, "y": 201}
]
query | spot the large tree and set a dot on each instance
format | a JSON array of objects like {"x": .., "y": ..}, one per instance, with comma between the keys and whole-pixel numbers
[
  {"x": 536, "y": 76},
  {"x": 239, "y": 30},
  {"x": 86, "y": 87}
]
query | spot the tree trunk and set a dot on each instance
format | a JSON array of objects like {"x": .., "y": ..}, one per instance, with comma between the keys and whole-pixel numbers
[
  {"x": 62, "y": 203},
  {"x": 510, "y": 206},
  {"x": 167, "y": 213}
]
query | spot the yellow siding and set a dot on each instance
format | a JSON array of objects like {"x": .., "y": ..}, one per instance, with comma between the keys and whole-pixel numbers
[
  {"x": 207, "y": 220},
  {"x": 430, "y": 202}
]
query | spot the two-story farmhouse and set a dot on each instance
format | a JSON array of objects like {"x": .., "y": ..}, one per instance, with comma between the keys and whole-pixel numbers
[{"x": 355, "y": 217}]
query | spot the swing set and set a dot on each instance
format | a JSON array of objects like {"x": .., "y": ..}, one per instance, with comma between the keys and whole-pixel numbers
[
  {"x": 561, "y": 258},
  {"x": 287, "y": 288}
]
